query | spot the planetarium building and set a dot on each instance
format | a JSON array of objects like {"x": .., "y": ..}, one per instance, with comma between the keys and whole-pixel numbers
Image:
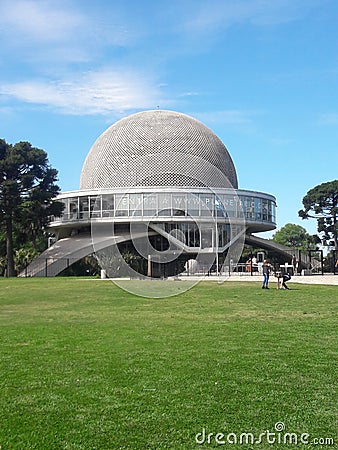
[{"x": 158, "y": 197}]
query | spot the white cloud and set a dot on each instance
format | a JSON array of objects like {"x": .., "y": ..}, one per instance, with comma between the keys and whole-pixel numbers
[
  {"x": 39, "y": 21},
  {"x": 6, "y": 111},
  {"x": 218, "y": 14},
  {"x": 189, "y": 94},
  {"x": 281, "y": 142},
  {"x": 56, "y": 32},
  {"x": 94, "y": 93}
]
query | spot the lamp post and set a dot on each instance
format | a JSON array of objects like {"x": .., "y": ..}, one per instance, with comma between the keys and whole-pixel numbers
[{"x": 216, "y": 235}]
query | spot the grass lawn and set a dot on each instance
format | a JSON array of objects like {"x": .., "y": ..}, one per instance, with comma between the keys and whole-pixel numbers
[{"x": 85, "y": 365}]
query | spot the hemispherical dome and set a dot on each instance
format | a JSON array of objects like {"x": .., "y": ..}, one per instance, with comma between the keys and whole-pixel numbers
[{"x": 158, "y": 148}]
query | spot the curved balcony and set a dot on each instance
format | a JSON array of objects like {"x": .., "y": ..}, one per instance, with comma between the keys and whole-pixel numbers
[{"x": 84, "y": 207}]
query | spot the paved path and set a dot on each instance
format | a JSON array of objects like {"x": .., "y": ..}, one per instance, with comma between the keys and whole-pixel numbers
[
  {"x": 316, "y": 279},
  {"x": 310, "y": 279}
]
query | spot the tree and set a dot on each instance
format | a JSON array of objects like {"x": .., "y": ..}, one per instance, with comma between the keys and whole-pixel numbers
[
  {"x": 321, "y": 203},
  {"x": 294, "y": 236},
  {"x": 27, "y": 187}
]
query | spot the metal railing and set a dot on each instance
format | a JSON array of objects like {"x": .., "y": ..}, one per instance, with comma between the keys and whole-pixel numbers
[{"x": 47, "y": 267}]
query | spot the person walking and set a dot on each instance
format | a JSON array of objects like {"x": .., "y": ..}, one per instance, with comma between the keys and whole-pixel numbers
[
  {"x": 266, "y": 274},
  {"x": 294, "y": 263}
]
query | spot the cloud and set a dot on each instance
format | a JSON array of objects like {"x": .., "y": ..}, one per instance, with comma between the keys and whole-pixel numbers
[
  {"x": 281, "y": 142},
  {"x": 45, "y": 30},
  {"x": 39, "y": 21},
  {"x": 218, "y": 14},
  {"x": 6, "y": 111},
  {"x": 189, "y": 94},
  {"x": 102, "y": 93}
]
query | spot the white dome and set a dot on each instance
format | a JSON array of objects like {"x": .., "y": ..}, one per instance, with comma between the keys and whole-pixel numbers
[{"x": 149, "y": 149}]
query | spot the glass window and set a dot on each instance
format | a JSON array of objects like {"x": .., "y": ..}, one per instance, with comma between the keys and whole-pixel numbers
[
  {"x": 84, "y": 207},
  {"x": 73, "y": 208},
  {"x": 150, "y": 204},
  {"x": 273, "y": 212},
  {"x": 179, "y": 204},
  {"x": 240, "y": 206},
  {"x": 220, "y": 207},
  {"x": 249, "y": 207},
  {"x": 206, "y": 237},
  {"x": 135, "y": 204},
  {"x": 265, "y": 210},
  {"x": 95, "y": 206},
  {"x": 164, "y": 204},
  {"x": 193, "y": 205},
  {"x": 121, "y": 205},
  {"x": 65, "y": 212},
  {"x": 223, "y": 235},
  {"x": 258, "y": 209},
  {"x": 229, "y": 204},
  {"x": 193, "y": 235},
  {"x": 207, "y": 204},
  {"x": 108, "y": 205},
  {"x": 179, "y": 232},
  {"x": 269, "y": 210}
]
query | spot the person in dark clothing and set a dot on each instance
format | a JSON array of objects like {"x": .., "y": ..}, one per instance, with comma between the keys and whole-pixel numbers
[
  {"x": 286, "y": 277},
  {"x": 282, "y": 278},
  {"x": 266, "y": 274}
]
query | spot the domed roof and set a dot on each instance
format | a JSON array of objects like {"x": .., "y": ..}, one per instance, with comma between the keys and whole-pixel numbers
[{"x": 158, "y": 148}]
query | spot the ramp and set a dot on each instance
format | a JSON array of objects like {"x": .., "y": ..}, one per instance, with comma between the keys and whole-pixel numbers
[
  {"x": 65, "y": 251},
  {"x": 283, "y": 250}
]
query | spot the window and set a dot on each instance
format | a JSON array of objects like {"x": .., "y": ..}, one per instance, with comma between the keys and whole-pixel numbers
[
  {"x": 193, "y": 205},
  {"x": 135, "y": 204},
  {"x": 150, "y": 204},
  {"x": 179, "y": 205},
  {"x": 207, "y": 204},
  {"x": 108, "y": 205},
  {"x": 164, "y": 204},
  {"x": 121, "y": 205},
  {"x": 95, "y": 206}
]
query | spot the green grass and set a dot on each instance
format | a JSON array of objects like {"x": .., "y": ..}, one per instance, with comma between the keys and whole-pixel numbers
[{"x": 85, "y": 365}]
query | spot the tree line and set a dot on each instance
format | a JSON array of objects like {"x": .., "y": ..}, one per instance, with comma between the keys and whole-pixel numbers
[
  {"x": 321, "y": 204},
  {"x": 27, "y": 189}
]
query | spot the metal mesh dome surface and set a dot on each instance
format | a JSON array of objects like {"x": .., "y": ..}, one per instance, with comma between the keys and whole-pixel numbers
[{"x": 158, "y": 148}]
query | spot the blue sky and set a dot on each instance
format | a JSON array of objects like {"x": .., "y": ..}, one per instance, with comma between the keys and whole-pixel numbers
[{"x": 262, "y": 74}]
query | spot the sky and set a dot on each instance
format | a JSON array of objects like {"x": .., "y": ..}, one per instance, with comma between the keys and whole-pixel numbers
[{"x": 262, "y": 74}]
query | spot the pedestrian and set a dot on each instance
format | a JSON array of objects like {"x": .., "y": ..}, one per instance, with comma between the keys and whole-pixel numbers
[
  {"x": 282, "y": 278},
  {"x": 266, "y": 273},
  {"x": 294, "y": 263},
  {"x": 279, "y": 277},
  {"x": 286, "y": 277},
  {"x": 254, "y": 264}
]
